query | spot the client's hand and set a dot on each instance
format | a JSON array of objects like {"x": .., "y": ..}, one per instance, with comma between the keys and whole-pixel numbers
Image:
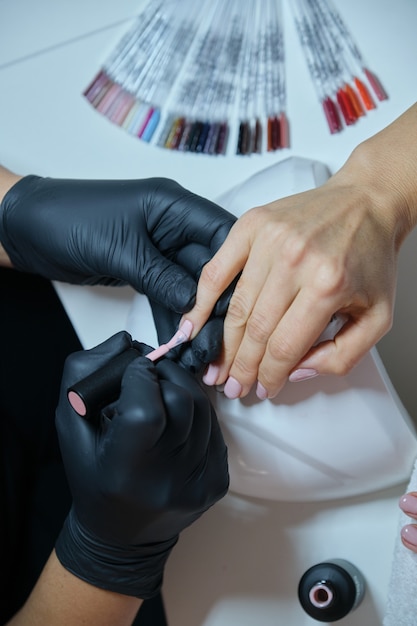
[
  {"x": 306, "y": 257},
  {"x": 139, "y": 473}
]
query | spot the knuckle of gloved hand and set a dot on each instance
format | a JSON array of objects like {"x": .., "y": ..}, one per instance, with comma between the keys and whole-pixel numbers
[
  {"x": 225, "y": 221},
  {"x": 165, "y": 185},
  {"x": 76, "y": 365},
  {"x": 207, "y": 346},
  {"x": 190, "y": 361},
  {"x": 179, "y": 403},
  {"x": 137, "y": 415},
  {"x": 174, "y": 292}
]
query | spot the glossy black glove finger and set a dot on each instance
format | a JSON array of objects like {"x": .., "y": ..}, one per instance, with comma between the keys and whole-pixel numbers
[
  {"x": 206, "y": 347},
  {"x": 172, "y": 471},
  {"x": 205, "y": 439},
  {"x": 199, "y": 434},
  {"x": 193, "y": 257},
  {"x": 183, "y": 218},
  {"x": 152, "y": 409}
]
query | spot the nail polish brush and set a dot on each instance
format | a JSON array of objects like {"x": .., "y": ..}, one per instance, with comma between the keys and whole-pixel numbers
[{"x": 102, "y": 387}]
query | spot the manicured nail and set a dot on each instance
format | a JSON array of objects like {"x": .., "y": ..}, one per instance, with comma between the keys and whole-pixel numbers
[
  {"x": 408, "y": 503},
  {"x": 185, "y": 330},
  {"x": 211, "y": 375},
  {"x": 304, "y": 373},
  {"x": 232, "y": 388},
  {"x": 409, "y": 534},
  {"x": 261, "y": 392}
]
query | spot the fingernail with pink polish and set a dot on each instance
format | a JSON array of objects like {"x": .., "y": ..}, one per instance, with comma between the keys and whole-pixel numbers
[
  {"x": 187, "y": 327},
  {"x": 232, "y": 388},
  {"x": 211, "y": 375},
  {"x": 408, "y": 503},
  {"x": 261, "y": 392},
  {"x": 409, "y": 534},
  {"x": 304, "y": 373}
]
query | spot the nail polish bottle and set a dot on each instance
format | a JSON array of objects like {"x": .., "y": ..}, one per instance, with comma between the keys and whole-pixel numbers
[{"x": 330, "y": 590}]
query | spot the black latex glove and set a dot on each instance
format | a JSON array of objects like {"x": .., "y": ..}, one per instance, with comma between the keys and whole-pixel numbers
[
  {"x": 111, "y": 232},
  {"x": 139, "y": 473},
  {"x": 206, "y": 346}
]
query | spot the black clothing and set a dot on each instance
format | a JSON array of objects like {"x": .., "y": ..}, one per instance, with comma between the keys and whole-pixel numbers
[{"x": 35, "y": 338}]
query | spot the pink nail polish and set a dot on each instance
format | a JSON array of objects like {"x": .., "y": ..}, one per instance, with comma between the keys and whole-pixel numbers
[
  {"x": 232, "y": 388},
  {"x": 185, "y": 330},
  {"x": 211, "y": 375},
  {"x": 261, "y": 392},
  {"x": 409, "y": 534},
  {"x": 408, "y": 504},
  {"x": 301, "y": 374}
]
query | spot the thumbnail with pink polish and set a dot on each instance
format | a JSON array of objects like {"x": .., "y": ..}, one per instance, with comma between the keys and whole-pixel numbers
[
  {"x": 211, "y": 375},
  {"x": 232, "y": 388}
]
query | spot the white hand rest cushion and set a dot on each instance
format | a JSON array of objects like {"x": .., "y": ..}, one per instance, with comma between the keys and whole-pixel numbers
[{"x": 319, "y": 439}]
